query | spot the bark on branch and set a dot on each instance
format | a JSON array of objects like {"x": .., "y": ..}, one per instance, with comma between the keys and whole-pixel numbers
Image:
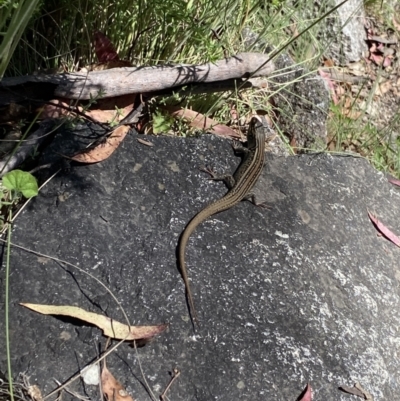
[{"x": 121, "y": 81}]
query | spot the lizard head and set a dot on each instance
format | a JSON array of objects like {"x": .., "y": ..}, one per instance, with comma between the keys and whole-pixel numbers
[{"x": 256, "y": 129}]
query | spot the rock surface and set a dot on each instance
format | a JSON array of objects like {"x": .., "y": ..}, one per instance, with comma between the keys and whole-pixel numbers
[
  {"x": 302, "y": 292},
  {"x": 345, "y": 32},
  {"x": 300, "y": 99},
  {"x": 302, "y": 105}
]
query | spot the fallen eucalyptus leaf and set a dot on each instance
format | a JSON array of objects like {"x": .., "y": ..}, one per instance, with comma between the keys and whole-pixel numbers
[{"x": 110, "y": 327}]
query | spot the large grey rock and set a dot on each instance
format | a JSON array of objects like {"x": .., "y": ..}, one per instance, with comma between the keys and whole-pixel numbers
[
  {"x": 302, "y": 105},
  {"x": 303, "y": 291},
  {"x": 344, "y": 32},
  {"x": 341, "y": 35}
]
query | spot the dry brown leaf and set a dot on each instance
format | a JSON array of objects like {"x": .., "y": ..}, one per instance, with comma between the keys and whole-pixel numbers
[
  {"x": 200, "y": 121},
  {"x": 394, "y": 181},
  {"x": 348, "y": 108},
  {"x": 307, "y": 395},
  {"x": 106, "y": 116},
  {"x": 384, "y": 230},
  {"x": 35, "y": 393},
  {"x": 54, "y": 111},
  {"x": 357, "y": 69},
  {"x": 113, "y": 109},
  {"x": 110, "y": 327},
  {"x": 112, "y": 388},
  {"x": 329, "y": 63},
  {"x": 384, "y": 88},
  {"x": 353, "y": 114},
  {"x": 108, "y": 110},
  {"x": 340, "y": 91},
  {"x": 104, "y": 150},
  {"x": 143, "y": 142},
  {"x": 358, "y": 391}
]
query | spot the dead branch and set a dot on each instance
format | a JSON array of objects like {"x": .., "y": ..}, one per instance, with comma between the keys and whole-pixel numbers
[
  {"x": 26, "y": 148},
  {"x": 120, "y": 81}
]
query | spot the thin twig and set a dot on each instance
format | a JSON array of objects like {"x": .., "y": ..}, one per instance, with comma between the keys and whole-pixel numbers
[
  {"x": 80, "y": 397},
  {"x": 176, "y": 374}
]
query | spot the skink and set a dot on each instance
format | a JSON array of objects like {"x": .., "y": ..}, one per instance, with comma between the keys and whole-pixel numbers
[{"x": 240, "y": 186}]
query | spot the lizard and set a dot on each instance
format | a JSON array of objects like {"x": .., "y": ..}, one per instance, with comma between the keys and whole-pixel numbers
[{"x": 239, "y": 188}]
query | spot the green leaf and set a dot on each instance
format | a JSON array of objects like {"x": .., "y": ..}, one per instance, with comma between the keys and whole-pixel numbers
[
  {"x": 21, "y": 181},
  {"x": 161, "y": 123}
]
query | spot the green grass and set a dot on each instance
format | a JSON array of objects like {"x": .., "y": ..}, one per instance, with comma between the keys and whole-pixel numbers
[
  {"x": 147, "y": 32},
  {"x": 150, "y": 32},
  {"x": 14, "y": 17},
  {"x": 361, "y": 136}
]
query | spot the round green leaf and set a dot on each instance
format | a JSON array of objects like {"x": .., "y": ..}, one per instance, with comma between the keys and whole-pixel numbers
[{"x": 21, "y": 181}]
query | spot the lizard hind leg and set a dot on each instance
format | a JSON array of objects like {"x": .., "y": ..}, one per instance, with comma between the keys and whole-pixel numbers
[{"x": 253, "y": 199}]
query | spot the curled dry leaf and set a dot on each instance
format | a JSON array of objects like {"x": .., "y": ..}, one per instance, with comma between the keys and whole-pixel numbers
[
  {"x": 107, "y": 110},
  {"x": 104, "y": 150},
  {"x": 56, "y": 108},
  {"x": 358, "y": 391},
  {"x": 111, "y": 110},
  {"x": 394, "y": 181},
  {"x": 112, "y": 388},
  {"x": 306, "y": 395},
  {"x": 384, "y": 230},
  {"x": 110, "y": 327},
  {"x": 143, "y": 142},
  {"x": 35, "y": 393},
  {"x": 200, "y": 121},
  {"x": 107, "y": 116}
]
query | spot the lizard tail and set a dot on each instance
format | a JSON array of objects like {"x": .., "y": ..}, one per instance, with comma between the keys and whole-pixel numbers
[
  {"x": 207, "y": 212},
  {"x": 182, "y": 266}
]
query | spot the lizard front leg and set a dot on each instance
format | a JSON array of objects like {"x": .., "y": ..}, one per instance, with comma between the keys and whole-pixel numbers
[{"x": 227, "y": 178}]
